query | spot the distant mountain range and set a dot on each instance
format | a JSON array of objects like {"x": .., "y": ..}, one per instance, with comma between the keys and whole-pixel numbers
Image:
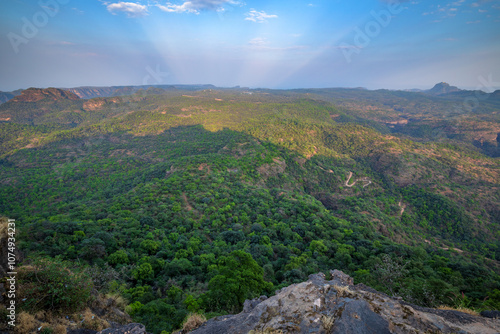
[
  {"x": 442, "y": 89},
  {"x": 92, "y": 92}
]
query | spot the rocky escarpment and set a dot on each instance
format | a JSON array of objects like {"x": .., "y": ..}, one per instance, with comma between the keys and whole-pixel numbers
[
  {"x": 337, "y": 306},
  {"x": 38, "y": 94},
  {"x": 99, "y": 103}
]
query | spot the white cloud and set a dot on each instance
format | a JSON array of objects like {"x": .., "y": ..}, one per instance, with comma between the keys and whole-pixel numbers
[
  {"x": 258, "y": 42},
  {"x": 259, "y": 17},
  {"x": 195, "y": 6},
  {"x": 262, "y": 44},
  {"x": 130, "y": 8}
]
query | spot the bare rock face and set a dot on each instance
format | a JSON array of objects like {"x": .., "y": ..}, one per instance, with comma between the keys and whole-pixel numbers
[
  {"x": 37, "y": 94},
  {"x": 99, "y": 103},
  {"x": 339, "y": 307}
]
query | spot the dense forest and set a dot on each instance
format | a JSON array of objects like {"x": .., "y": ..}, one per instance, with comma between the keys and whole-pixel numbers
[{"x": 183, "y": 202}]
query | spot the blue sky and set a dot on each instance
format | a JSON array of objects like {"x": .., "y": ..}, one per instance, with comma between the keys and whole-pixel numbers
[{"x": 274, "y": 44}]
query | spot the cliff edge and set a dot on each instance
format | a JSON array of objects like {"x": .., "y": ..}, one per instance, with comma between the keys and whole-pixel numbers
[{"x": 337, "y": 306}]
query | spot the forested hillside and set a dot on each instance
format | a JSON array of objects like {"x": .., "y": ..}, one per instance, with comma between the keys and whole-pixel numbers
[{"x": 193, "y": 201}]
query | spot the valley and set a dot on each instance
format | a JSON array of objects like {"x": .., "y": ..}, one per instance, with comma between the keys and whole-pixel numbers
[{"x": 194, "y": 198}]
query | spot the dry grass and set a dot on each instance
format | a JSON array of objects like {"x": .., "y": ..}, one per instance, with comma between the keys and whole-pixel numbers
[
  {"x": 459, "y": 309},
  {"x": 343, "y": 291},
  {"x": 92, "y": 321},
  {"x": 192, "y": 322},
  {"x": 328, "y": 322},
  {"x": 119, "y": 301},
  {"x": 58, "y": 324},
  {"x": 266, "y": 331},
  {"x": 3, "y": 227},
  {"x": 26, "y": 323},
  {"x": 60, "y": 329}
]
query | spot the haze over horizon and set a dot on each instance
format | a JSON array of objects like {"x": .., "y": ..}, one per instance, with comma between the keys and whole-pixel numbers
[{"x": 272, "y": 44}]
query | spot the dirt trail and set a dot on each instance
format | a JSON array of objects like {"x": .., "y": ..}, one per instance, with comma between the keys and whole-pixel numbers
[
  {"x": 444, "y": 248},
  {"x": 403, "y": 207},
  {"x": 188, "y": 206},
  {"x": 365, "y": 179}
]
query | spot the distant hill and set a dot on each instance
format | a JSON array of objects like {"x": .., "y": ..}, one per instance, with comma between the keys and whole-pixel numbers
[
  {"x": 34, "y": 104},
  {"x": 6, "y": 96},
  {"x": 92, "y": 92},
  {"x": 38, "y": 94},
  {"x": 442, "y": 88}
]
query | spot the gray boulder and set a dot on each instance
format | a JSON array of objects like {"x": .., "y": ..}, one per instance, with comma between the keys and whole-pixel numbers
[
  {"x": 127, "y": 329},
  {"x": 339, "y": 307}
]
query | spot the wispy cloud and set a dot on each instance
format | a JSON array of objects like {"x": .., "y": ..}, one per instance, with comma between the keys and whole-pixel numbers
[
  {"x": 130, "y": 8},
  {"x": 78, "y": 11},
  {"x": 262, "y": 44},
  {"x": 259, "y": 17},
  {"x": 195, "y": 6},
  {"x": 258, "y": 42},
  {"x": 64, "y": 43}
]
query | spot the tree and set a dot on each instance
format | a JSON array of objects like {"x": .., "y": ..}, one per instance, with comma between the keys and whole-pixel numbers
[
  {"x": 239, "y": 278},
  {"x": 391, "y": 272},
  {"x": 118, "y": 257},
  {"x": 143, "y": 272}
]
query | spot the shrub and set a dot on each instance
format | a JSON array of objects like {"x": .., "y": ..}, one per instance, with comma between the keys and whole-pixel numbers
[{"x": 51, "y": 285}]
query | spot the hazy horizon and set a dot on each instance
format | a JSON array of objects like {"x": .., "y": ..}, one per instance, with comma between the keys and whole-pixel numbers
[
  {"x": 375, "y": 44},
  {"x": 252, "y": 88}
]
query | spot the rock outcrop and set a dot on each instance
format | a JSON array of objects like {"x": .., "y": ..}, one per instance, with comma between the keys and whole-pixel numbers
[
  {"x": 339, "y": 307},
  {"x": 38, "y": 94},
  {"x": 99, "y": 103},
  {"x": 127, "y": 329}
]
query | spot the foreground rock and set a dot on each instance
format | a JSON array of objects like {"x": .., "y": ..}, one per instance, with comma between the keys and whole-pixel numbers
[
  {"x": 339, "y": 307},
  {"x": 128, "y": 329}
]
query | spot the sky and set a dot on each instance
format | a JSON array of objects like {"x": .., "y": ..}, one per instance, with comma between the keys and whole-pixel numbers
[{"x": 250, "y": 43}]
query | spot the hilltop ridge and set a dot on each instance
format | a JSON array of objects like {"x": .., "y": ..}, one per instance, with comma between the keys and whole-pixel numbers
[
  {"x": 38, "y": 94},
  {"x": 443, "y": 88}
]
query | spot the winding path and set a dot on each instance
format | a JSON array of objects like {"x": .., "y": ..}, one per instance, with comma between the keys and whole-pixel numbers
[
  {"x": 361, "y": 180},
  {"x": 403, "y": 207}
]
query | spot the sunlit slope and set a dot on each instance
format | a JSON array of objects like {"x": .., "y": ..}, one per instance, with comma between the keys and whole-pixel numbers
[{"x": 465, "y": 181}]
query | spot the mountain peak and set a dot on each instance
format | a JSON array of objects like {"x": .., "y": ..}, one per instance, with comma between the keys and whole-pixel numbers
[
  {"x": 38, "y": 94},
  {"x": 443, "y": 88}
]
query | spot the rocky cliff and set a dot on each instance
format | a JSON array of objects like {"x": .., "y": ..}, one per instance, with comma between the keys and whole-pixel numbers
[
  {"x": 337, "y": 306},
  {"x": 38, "y": 94}
]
